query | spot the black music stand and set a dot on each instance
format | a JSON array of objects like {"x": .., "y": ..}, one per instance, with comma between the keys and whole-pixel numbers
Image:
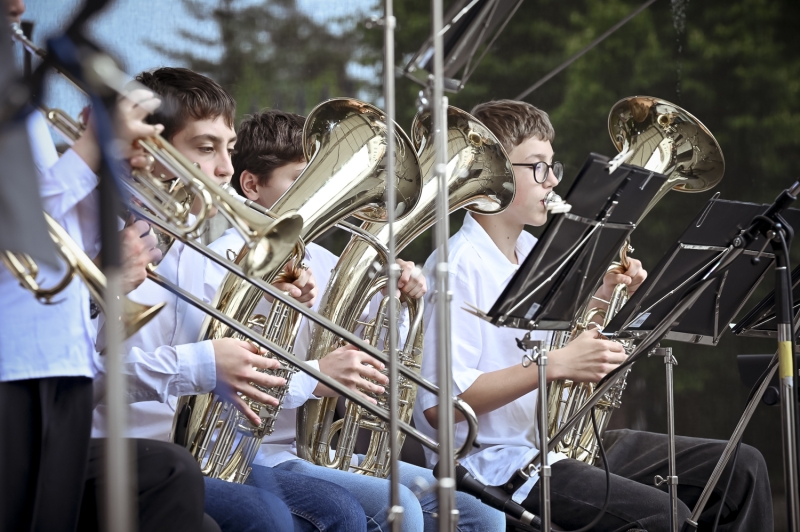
[
  {"x": 700, "y": 246},
  {"x": 561, "y": 272},
  {"x": 699, "y": 249}
]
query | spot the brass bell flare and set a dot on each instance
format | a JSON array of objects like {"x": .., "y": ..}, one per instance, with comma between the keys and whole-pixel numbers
[
  {"x": 136, "y": 315},
  {"x": 667, "y": 139}
]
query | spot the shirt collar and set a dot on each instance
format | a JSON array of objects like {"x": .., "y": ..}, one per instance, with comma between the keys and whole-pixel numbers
[{"x": 488, "y": 251}]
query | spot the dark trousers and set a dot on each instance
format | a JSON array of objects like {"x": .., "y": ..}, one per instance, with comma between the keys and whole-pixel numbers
[
  {"x": 45, "y": 425},
  {"x": 170, "y": 490},
  {"x": 634, "y": 459}
]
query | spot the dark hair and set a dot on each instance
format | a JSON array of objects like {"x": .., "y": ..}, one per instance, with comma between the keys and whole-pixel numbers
[
  {"x": 514, "y": 122},
  {"x": 265, "y": 141},
  {"x": 186, "y": 95}
]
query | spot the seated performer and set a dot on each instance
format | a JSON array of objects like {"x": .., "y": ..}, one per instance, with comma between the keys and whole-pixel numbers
[
  {"x": 163, "y": 363},
  {"x": 268, "y": 159},
  {"x": 47, "y": 366},
  {"x": 488, "y": 373}
]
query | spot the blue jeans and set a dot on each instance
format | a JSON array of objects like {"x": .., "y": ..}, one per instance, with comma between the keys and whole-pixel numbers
[
  {"x": 273, "y": 499},
  {"x": 241, "y": 508},
  {"x": 473, "y": 515},
  {"x": 373, "y": 494}
]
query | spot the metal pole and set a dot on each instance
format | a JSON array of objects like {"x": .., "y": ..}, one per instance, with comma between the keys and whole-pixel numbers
[
  {"x": 395, "y": 509},
  {"x": 539, "y": 354},
  {"x": 788, "y": 426},
  {"x": 727, "y": 453},
  {"x": 448, "y": 513},
  {"x": 783, "y": 313},
  {"x": 672, "y": 474},
  {"x": 118, "y": 472}
]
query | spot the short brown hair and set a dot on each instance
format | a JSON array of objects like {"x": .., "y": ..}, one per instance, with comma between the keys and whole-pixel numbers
[
  {"x": 266, "y": 141},
  {"x": 185, "y": 95},
  {"x": 514, "y": 122}
]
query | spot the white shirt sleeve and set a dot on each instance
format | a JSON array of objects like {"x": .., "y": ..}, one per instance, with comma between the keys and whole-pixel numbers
[
  {"x": 466, "y": 341},
  {"x": 301, "y": 387},
  {"x": 187, "y": 369},
  {"x": 65, "y": 184}
]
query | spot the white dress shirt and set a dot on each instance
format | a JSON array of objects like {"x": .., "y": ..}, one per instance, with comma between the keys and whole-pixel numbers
[
  {"x": 36, "y": 340},
  {"x": 162, "y": 363},
  {"x": 478, "y": 274}
]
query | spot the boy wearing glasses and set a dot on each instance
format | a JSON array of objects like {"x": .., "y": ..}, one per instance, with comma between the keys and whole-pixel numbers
[{"x": 488, "y": 373}]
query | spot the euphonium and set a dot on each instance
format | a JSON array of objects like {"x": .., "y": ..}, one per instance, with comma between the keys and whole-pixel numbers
[
  {"x": 481, "y": 179},
  {"x": 345, "y": 144},
  {"x": 664, "y": 138},
  {"x": 134, "y": 315}
]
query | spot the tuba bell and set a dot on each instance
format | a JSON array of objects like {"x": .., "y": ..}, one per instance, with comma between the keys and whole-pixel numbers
[
  {"x": 345, "y": 143},
  {"x": 664, "y": 138},
  {"x": 480, "y": 178}
]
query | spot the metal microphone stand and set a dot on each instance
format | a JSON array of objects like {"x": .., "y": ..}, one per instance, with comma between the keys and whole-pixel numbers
[
  {"x": 448, "y": 513},
  {"x": 93, "y": 71},
  {"x": 395, "y": 509},
  {"x": 672, "y": 475},
  {"x": 538, "y": 355}
]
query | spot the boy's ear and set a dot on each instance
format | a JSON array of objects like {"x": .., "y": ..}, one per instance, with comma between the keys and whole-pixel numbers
[{"x": 249, "y": 184}]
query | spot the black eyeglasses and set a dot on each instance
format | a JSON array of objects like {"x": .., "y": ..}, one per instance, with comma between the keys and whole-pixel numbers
[{"x": 541, "y": 169}]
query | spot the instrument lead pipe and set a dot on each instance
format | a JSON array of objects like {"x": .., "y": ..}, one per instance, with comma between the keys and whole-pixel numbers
[
  {"x": 395, "y": 509},
  {"x": 448, "y": 513}
]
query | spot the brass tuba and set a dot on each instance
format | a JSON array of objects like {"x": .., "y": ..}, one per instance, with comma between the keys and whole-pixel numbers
[
  {"x": 659, "y": 136},
  {"x": 345, "y": 143},
  {"x": 481, "y": 179}
]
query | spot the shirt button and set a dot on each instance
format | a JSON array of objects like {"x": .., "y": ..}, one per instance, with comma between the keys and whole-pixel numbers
[{"x": 197, "y": 388}]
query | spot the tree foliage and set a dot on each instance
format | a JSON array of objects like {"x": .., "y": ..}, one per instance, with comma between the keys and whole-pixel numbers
[{"x": 273, "y": 54}]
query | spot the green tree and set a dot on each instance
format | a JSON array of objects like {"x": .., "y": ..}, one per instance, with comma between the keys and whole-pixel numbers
[{"x": 273, "y": 54}]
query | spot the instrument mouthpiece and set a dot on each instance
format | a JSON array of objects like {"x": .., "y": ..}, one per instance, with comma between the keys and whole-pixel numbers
[{"x": 553, "y": 203}]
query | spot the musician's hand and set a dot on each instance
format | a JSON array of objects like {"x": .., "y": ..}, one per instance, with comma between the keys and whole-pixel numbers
[
  {"x": 633, "y": 278},
  {"x": 86, "y": 146},
  {"x": 587, "y": 358},
  {"x": 138, "y": 244},
  {"x": 411, "y": 282},
  {"x": 132, "y": 109},
  {"x": 351, "y": 367},
  {"x": 237, "y": 364},
  {"x": 303, "y": 288}
]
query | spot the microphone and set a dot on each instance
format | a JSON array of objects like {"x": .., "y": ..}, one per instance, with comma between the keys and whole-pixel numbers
[{"x": 489, "y": 495}]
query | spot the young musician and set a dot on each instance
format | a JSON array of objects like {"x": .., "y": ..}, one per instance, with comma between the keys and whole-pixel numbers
[
  {"x": 48, "y": 465},
  {"x": 268, "y": 159},
  {"x": 164, "y": 363},
  {"x": 488, "y": 373}
]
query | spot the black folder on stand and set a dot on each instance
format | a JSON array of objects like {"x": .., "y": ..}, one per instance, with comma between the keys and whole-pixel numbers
[
  {"x": 698, "y": 248},
  {"x": 564, "y": 268}
]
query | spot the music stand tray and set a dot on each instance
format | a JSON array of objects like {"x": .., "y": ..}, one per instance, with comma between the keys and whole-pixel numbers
[
  {"x": 700, "y": 246},
  {"x": 564, "y": 267}
]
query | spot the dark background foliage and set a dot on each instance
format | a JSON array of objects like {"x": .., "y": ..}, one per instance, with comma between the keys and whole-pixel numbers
[{"x": 732, "y": 63}]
